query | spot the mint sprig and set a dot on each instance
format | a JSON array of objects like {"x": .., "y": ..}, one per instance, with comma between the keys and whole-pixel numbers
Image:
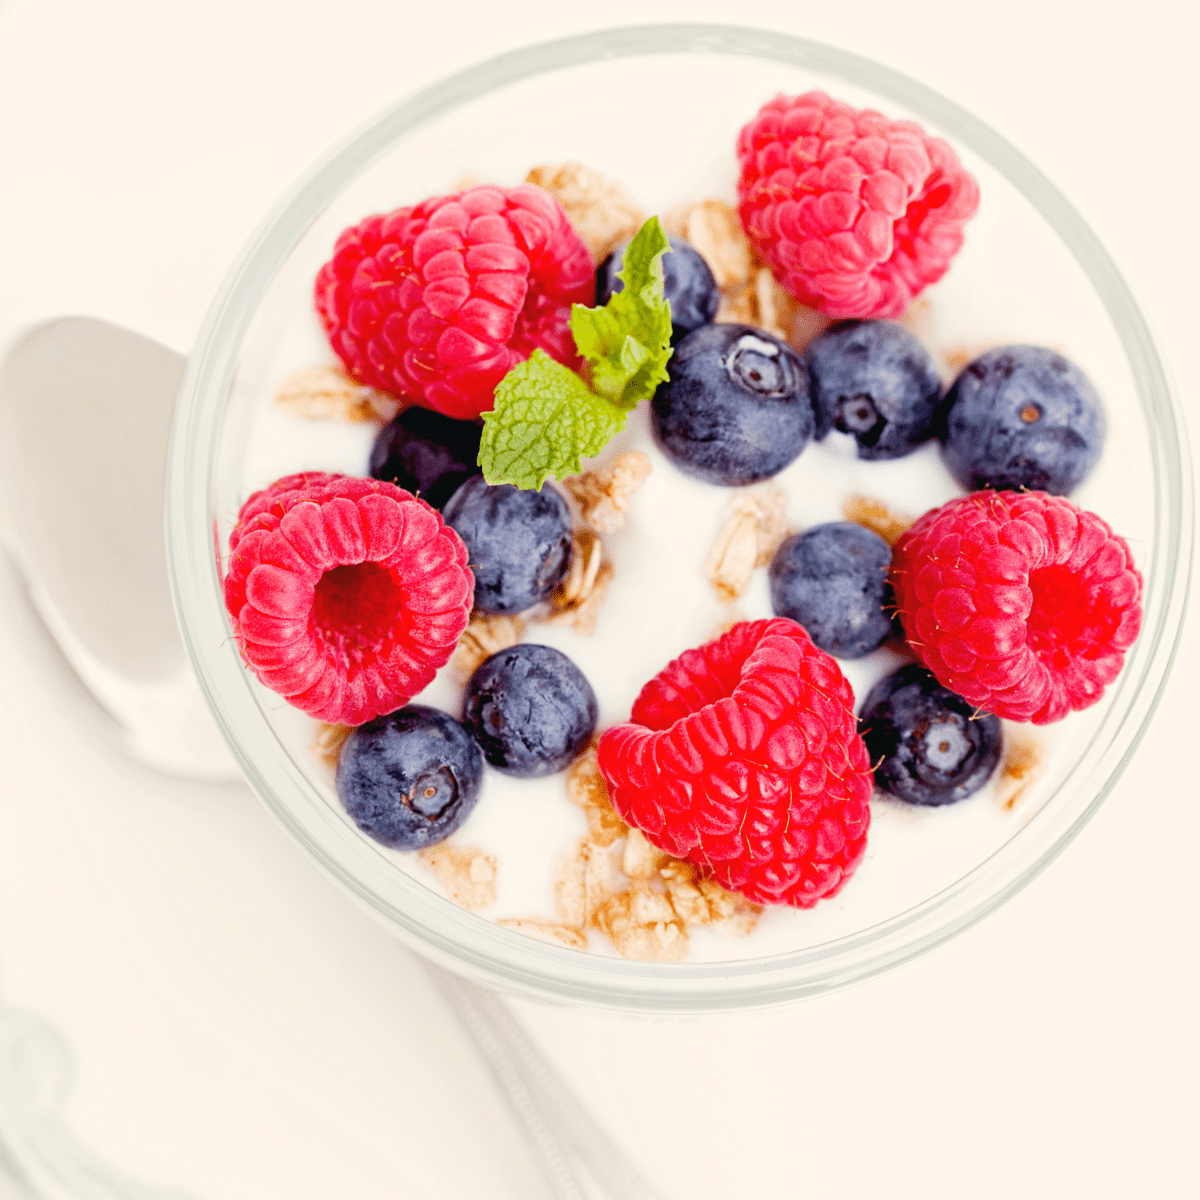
[
  {"x": 546, "y": 418},
  {"x": 545, "y": 421}
]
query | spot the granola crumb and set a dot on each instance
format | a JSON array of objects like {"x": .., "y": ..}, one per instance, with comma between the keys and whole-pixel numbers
[
  {"x": 323, "y": 394},
  {"x": 1022, "y": 763},
  {"x": 487, "y": 634},
  {"x": 639, "y": 859},
  {"x": 467, "y": 874},
  {"x": 578, "y": 599},
  {"x": 583, "y": 881},
  {"x": 553, "y": 932},
  {"x": 761, "y": 303},
  {"x": 642, "y": 926},
  {"x": 714, "y": 230},
  {"x": 701, "y": 901},
  {"x": 586, "y": 789},
  {"x": 729, "y": 913},
  {"x": 327, "y": 742},
  {"x": 603, "y": 213},
  {"x": 604, "y": 495},
  {"x": 877, "y": 517},
  {"x": 748, "y": 539},
  {"x": 686, "y": 898}
]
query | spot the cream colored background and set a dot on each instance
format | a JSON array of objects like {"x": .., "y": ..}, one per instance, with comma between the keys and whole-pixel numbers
[{"x": 240, "y": 1031}]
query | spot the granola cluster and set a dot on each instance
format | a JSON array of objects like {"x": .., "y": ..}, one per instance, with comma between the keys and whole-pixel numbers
[
  {"x": 615, "y": 881},
  {"x": 750, "y": 294}
]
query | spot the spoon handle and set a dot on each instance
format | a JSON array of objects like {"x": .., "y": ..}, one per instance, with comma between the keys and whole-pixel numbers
[{"x": 575, "y": 1154}]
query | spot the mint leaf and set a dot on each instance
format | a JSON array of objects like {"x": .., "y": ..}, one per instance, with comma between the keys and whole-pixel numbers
[
  {"x": 627, "y": 342},
  {"x": 545, "y": 420}
]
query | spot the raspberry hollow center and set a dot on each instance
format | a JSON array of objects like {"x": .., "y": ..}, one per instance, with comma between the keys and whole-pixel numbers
[
  {"x": 1062, "y": 625},
  {"x": 356, "y": 606}
]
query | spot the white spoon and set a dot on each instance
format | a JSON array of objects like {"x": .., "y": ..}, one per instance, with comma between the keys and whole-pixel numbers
[{"x": 85, "y": 410}]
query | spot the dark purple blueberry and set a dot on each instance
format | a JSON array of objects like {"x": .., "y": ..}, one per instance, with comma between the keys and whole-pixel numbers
[
  {"x": 411, "y": 778},
  {"x": 875, "y": 381},
  {"x": 688, "y": 285},
  {"x": 518, "y": 541},
  {"x": 736, "y": 408},
  {"x": 1022, "y": 417},
  {"x": 531, "y": 710},
  {"x": 832, "y": 579},
  {"x": 427, "y": 454},
  {"x": 929, "y": 746}
]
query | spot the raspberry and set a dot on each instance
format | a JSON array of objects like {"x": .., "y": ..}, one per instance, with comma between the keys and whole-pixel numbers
[
  {"x": 1020, "y": 602},
  {"x": 743, "y": 756},
  {"x": 439, "y": 301},
  {"x": 346, "y": 594},
  {"x": 854, "y": 213}
]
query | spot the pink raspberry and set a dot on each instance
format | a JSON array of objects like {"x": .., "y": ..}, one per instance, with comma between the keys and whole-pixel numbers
[
  {"x": 744, "y": 757},
  {"x": 346, "y": 594},
  {"x": 439, "y": 301},
  {"x": 1020, "y": 602},
  {"x": 854, "y": 213}
]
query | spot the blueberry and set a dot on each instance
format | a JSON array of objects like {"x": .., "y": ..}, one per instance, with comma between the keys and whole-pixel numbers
[
  {"x": 518, "y": 541},
  {"x": 410, "y": 779},
  {"x": 1022, "y": 417},
  {"x": 930, "y": 746},
  {"x": 531, "y": 709},
  {"x": 874, "y": 380},
  {"x": 687, "y": 283},
  {"x": 736, "y": 408},
  {"x": 832, "y": 579},
  {"x": 427, "y": 454}
]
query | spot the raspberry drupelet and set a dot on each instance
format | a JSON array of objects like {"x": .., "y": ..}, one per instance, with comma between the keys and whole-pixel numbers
[
  {"x": 346, "y": 594},
  {"x": 854, "y": 213},
  {"x": 1020, "y": 602},
  {"x": 743, "y": 757},
  {"x": 437, "y": 301}
]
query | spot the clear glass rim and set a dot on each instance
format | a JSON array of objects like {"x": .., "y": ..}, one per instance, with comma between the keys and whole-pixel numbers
[{"x": 473, "y": 945}]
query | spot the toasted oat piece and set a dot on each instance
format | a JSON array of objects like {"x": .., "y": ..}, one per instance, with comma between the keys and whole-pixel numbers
[
  {"x": 604, "y": 495},
  {"x": 714, "y": 230},
  {"x": 487, "y": 634},
  {"x": 1023, "y": 760},
  {"x": 327, "y": 742},
  {"x": 642, "y": 925},
  {"x": 583, "y": 880},
  {"x": 324, "y": 394},
  {"x": 748, "y": 539},
  {"x": 467, "y": 874},
  {"x": 587, "y": 789},
  {"x": 729, "y": 913},
  {"x": 700, "y": 901},
  {"x": 877, "y": 517},
  {"x": 578, "y": 599},
  {"x": 731, "y": 560},
  {"x": 686, "y": 898},
  {"x": 640, "y": 859},
  {"x": 553, "y": 932},
  {"x": 765, "y": 305},
  {"x": 603, "y": 213}
]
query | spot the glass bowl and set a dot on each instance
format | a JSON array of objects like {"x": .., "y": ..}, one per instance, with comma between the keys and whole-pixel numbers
[{"x": 1030, "y": 271}]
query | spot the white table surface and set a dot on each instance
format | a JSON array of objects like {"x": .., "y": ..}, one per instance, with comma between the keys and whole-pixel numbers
[{"x": 239, "y": 1030}]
